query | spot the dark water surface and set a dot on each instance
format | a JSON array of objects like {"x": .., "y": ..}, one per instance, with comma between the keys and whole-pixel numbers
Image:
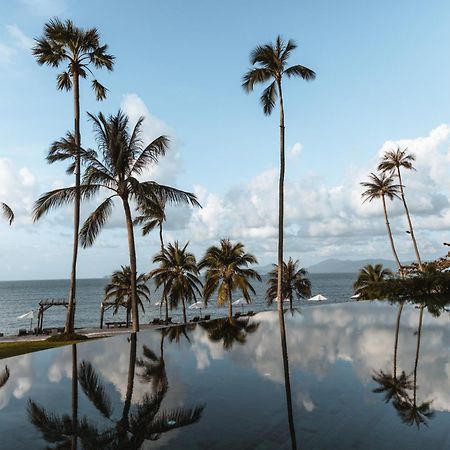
[
  {"x": 222, "y": 386},
  {"x": 19, "y": 297}
]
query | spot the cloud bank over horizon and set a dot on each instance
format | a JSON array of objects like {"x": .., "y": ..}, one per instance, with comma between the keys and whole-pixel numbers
[{"x": 322, "y": 220}]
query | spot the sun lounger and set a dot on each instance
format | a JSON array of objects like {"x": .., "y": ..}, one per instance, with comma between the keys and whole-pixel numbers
[{"x": 22, "y": 332}]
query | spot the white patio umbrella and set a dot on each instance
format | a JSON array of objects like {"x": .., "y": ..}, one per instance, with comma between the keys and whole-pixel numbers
[
  {"x": 28, "y": 315},
  {"x": 317, "y": 298},
  {"x": 197, "y": 305},
  {"x": 240, "y": 302}
]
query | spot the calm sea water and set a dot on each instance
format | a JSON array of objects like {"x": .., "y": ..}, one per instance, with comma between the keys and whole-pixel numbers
[{"x": 20, "y": 297}]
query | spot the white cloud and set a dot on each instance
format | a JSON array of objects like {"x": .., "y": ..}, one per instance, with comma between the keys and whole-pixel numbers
[
  {"x": 295, "y": 150},
  {"x": 6, "y": 54},
  {"x": 19, "y": 37}
]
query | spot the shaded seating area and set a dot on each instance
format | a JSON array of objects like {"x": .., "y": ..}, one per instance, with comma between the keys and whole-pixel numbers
[
  {"x": 105, "y": 305},
  {"x": 45, "y": 305},
  {"x": 118, "y": 324}
]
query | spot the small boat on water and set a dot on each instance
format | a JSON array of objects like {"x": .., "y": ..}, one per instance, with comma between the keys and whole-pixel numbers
[{"x": 317, "y": 298}]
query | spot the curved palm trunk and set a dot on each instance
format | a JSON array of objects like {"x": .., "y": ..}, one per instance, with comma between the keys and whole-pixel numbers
[
  {"x": 164, "y": 297},
  {"x": 74, "y": 397},
  {"x": 184, "y": 310},
  {"x": 70, "y": 318},
  {"x": 411, "y": 229},
  {"x": 230, "y": 303},
  {"x": 397, "y": 329},
  {"x": 133, "y": 265},
  {"x": 390, "y": 235}
]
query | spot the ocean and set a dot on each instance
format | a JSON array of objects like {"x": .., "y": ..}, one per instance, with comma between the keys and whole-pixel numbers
[{"x": 20, "y": 297}]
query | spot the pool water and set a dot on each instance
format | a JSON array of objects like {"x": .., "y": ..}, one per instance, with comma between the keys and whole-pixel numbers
[{"x": 223, "y": 385}]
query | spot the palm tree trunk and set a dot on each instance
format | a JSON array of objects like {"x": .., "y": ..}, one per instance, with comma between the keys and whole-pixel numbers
[
  {"x": 133, "y": 265},
  {"x": 74, "y": 397},
  {"x": 390, "y": 235},
  {"x": 397, "y": 329},
  {"x": 411, "y": 229},
  {"x": 70, "y": 318},
  {"x": 230, "y": 304},
  {"x": 184, "y": 310},
  {"x": 164, "y": 297},
  {"x": 281, "y": 202}
]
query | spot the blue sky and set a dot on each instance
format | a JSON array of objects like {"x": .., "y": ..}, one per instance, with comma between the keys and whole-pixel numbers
[{"x": 382, "y": 75}]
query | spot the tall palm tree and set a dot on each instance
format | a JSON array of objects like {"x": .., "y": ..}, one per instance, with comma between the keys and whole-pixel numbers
[
  {"x": 118, "y": 290},
  {"x": 123, "y": 159},
  {"x": 380, "y": 187},
  {"x": 78, "y": 50},
  {"x": 178, "y": 274},
  {"x": 7, "y": 212},
  {"x": 368, "y": 278},
  {"x": 152, "y": 215},
  {"x": 269, "y": 63},
  {"x": 226, "y": 271},
  {"x": 392, "y": 162},
  {"x": 295, "y": 282}
]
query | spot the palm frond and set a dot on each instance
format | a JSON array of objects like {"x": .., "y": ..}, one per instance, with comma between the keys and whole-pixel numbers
[
  {"x": 300, "y": 71},
  {"x": 268, "y": 98},
  {"x": 4, "y": 377},
  {"x": 7, "y": 212},
  {"x": 95, "y": 222}
]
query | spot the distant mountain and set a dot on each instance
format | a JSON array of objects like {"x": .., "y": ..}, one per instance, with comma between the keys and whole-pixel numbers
[{"x": 348, "y": 266}]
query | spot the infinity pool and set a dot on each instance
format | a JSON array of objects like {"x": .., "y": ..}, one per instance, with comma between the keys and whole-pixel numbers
[{"x": 221, "y": 385}]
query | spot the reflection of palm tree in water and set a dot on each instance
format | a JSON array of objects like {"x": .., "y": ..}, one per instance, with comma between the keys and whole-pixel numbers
[
  {"x": 408, "y": 410},
  {"x": 229, "y": 331},
  {"x": 145, "y": 422},
  {"x": 4, "y": 377},
  {"x": 393, "y": 386}
]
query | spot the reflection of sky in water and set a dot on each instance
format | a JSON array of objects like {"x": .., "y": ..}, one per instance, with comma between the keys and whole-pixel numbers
[{"x": 333, "y": 353}]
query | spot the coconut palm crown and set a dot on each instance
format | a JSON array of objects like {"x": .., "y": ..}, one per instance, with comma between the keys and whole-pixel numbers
[
  {"x": 226, "y": 271},
  {"x": 117, "y": 171},
  {"x": 295, "y": 282},
  {"x": 7, "y": 212},
  {"x": 178, "y": 274},
  {"x": 392, "y": 162},
  {"x": 379, "y": 187}
]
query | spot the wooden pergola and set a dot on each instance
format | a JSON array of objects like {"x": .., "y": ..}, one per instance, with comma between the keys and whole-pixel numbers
[
  {"x": 104, "y": 306},
  {"x": 47, "y": 304}
]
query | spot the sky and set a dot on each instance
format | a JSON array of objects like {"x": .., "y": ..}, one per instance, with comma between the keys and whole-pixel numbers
[{"x": 382, "y": 80}]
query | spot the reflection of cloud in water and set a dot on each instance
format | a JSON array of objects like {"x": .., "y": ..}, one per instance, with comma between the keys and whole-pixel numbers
[
  {"x": 20, "y": 380},
  {"x": 359, "y": 333}
]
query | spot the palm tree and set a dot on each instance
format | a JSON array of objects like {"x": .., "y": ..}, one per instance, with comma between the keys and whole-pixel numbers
[
  {"x": 118, "y": 290},
  {"x": 123, "y": 158},
  {"x": 178, "y": 274},
  {"x": 226, "y": 271},
  {"x": 7, "y": 212},
  {"x": 269, "y": 63},
  {"x": 393, "y": 161},
  {"x": 152, "y": 215},
  {"x": 295, "y": 282},
  {"x": 78, "y": 50},
  {"x": 368, "y": 278},
  {"x": 383, "y": 186}
]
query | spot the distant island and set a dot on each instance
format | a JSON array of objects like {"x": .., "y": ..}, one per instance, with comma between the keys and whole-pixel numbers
[{"x": 334, "y": 265}]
